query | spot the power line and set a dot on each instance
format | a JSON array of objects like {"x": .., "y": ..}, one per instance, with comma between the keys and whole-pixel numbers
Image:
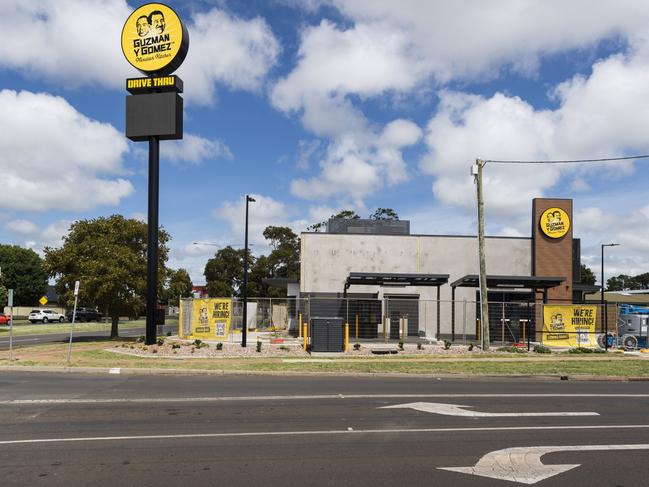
[{"x": 569, "y": 161}]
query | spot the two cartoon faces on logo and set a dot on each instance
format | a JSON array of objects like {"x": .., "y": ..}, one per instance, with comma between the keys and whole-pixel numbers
[{"x": 153, "y": 23}]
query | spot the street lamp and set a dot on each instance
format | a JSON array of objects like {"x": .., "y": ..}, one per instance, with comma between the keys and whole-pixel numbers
[
  {"x": 604, "y": 313},
  {"x": 244, "y": 328}
]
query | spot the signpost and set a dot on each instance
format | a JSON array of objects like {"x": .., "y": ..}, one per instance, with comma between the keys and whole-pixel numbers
[
  {"x": 154, "y": 41},
  {"x": 74, "y": 316},
  {"x": 10, "y": 304}
]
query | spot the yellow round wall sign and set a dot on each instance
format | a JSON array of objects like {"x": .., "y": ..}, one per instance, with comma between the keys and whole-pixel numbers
[
  {"x": 154, "y": 39},
  {"x": 555, "y": 222}
]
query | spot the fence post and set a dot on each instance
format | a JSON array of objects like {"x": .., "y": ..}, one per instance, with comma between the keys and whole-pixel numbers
[
  {"x": 528, "y": 335},
  {"x": 606, "y": 326},
  {"x": 346, "y": 337}
]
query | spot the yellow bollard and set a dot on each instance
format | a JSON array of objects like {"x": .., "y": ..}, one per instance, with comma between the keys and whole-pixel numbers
[
  {"x": 306, "y": 334},
  {"x": 299, "y": 327},
  {"x": 346, "y": 337},
  {"x": 356, "y": 327},
  {"x": 403, "y": 329}
]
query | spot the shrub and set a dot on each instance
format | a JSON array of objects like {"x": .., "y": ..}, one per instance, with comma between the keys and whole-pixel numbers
[
  {"x": 160, "y": 341},
  {"x": 175, "y": 346},
  {"x": 581, "y": 350},
  {"x": 400, "y": 345},
  {"x": 258, "y": 346},
  {"x": 512, "y": 349},
  {"x": 470, "y": 347},
  {"x": 541, "y": 349},
  {"x": 140, "y": 339},
  {"x": 447, "y": 345},
  {"x": 420, "y": 346},
  {"x": 219, "y": 346},
  {"x": 155, "y": 350},
  {"x": 284, "y": 347},
  {"x": 200, "y": 344},
  {"x": 357, "y": 346},
  {"x": 168, "y": 333}
]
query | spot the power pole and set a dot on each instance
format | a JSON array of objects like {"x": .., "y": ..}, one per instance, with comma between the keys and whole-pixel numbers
[{"x": 484, "y": 304}]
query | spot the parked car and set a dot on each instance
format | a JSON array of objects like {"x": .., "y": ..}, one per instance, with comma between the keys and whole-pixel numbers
[
  {"x": 4, "y": 319},
  {"x": 45, "y": 315},
  {"x": 85, "y": 314}
]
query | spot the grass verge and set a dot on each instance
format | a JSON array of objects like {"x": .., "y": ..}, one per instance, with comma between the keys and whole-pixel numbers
[
  {"x": 57, "y": 328},
  {"x": 95, "y": 355}
]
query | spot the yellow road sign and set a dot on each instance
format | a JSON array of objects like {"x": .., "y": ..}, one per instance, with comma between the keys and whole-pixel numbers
[{"x": 43, "y": 301}]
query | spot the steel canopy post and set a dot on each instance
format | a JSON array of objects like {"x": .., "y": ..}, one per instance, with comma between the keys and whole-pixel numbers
[{"x": 152, "y": 240}]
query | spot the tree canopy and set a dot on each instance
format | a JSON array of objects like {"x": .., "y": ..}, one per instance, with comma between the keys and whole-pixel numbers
[
  {"x": 384, "y": 214},
  {"x": 624, "y": 281},
  {"x": 343, "y": 215},
  {"x": 179, "y": 285},
  {"x": 109, "y": 256},
  {"x": 22, "y": 271},
  {"x": 587, "y": 275}
]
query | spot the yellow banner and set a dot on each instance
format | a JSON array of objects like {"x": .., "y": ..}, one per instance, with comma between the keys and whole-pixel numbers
[
  {"x": 569, "y": 325},
  {"x": 211, "y": 318}
]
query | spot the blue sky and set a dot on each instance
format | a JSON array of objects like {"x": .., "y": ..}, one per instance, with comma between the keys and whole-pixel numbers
[{"x": 319, "y": 105}]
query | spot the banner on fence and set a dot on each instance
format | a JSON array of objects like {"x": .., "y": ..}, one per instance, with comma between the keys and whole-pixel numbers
[
  {"x": 569, "y": 325},
  {"x": 211, "y": 318}
]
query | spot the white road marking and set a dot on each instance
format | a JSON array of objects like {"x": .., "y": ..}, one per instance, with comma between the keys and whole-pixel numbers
[
  {"x": 115, "y": 370},
  {"x": 457, "y": 410},
  {"x": 20, "y": 340},
  {"x": 523, "y": 464},
  {"x": 321, "y": 432},
  {"x": 10, "y": 402}
]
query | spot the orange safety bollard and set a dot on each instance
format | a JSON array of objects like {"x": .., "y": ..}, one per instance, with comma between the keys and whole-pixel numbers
[
  {"x": 346, "y": 337},
  {"x": 299, "y": 327},
  {"x": 306, "y": 334},
  {"x": 356, "y": 327}
]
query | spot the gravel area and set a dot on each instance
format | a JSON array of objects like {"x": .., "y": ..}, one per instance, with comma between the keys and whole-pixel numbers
[{"x": 176, "y": 348}]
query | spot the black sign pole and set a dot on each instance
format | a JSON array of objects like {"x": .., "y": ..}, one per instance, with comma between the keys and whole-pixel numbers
[{"x": 152, "y": 240}]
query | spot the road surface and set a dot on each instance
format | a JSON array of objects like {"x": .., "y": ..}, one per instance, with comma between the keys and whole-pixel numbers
[{"x": 106, "y": 430}]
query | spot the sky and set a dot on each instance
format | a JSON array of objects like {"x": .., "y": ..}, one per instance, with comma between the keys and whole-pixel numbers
[{"x": 315, "y": 106}]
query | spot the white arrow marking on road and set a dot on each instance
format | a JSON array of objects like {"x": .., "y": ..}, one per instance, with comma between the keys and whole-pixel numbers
[
  {"x": 458, "y": 410},
  {"x": 523, "y": 464}
]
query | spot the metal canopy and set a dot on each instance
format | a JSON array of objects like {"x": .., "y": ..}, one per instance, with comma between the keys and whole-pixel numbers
[
  {"x": 397, "y": 280},
  {"x": 508, "y": 282}
]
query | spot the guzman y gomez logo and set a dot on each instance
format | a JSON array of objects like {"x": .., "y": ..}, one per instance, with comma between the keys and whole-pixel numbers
[
  {"x": 555, "y": 222},
  {"x": 154, "y": 39}
]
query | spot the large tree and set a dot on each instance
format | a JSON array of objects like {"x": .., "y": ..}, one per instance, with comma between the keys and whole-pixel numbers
[
  {"x": 343, "y": 215},
  {"x": 109, "y": 256},
  {"x": 22, "y": 271},
  {"x": 179, "y": 285},
  {"x": 284, "y": 259},
  {"x": 224, "y": 272},
  {"x": 587, "y": 275},
  {"x": 384, "y": 214}
]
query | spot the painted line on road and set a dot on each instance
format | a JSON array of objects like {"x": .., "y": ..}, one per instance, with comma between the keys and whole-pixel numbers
[
  {"x": 19, "y": 340},
  {"x": 22, "y": 402},
  {"x": 459, "y": 410},
  {"x": 319, "y": 432}
]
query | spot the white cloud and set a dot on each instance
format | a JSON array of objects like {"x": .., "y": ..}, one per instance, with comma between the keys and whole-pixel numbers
[
  {"x": 76, "y": 42},
  {"x": 263, "y": 212},
  {"x": 597, "y": 116},
  {"x": 195, "y": 149},
  {"x": 53, "y": 157},
  {"x": 22, "y": 227},
  {"x": 227, "y": 50}
]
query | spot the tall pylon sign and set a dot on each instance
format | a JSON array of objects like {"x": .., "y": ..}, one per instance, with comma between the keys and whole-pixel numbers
[{"x": 155, "y": 42}]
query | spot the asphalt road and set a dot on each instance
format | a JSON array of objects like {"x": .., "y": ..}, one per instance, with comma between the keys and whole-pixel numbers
[
  {"x": 78, "y": 429},
  {"x": 27, "y": 340}
]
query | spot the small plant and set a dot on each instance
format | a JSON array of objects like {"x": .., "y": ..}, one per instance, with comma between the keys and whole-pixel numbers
[
  {"x": 470, "y": 347},
  {"x": 145, "y": 348},
  {"x": 193, "y": 349},
  {"x": 447, "y": 344},
  {"x": 155, "y": 350},
  {"x": 512, "y": 349},
  {"x": 160, "y": 341},
  {"x": 400, "y": 345},
  {"x": 175, "y": 352},
  {"x": 197, "y": 343},
  {"x": 168, "y": 333},
  {"x": 357, "y": 346},
  {"x": 219, "y": 346},
  {"x": 581, "y": 350},
  {"x": 174, "y": 346},
  {"x": 140, "y": 339},
  {"x": 258, "y": 345},
  {"x": 284, "y": 347},
  {"x": 420, "y": 346},
  {"x": 541, "y": 349}
]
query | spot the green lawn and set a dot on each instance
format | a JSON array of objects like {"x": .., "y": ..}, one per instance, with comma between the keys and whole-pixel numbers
[{"x": 26, "y": 328}]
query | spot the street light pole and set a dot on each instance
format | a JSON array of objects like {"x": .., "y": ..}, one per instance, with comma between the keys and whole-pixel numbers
[
  {"x": 602, "y": 301},
  {"x": 244, "y": 327}
]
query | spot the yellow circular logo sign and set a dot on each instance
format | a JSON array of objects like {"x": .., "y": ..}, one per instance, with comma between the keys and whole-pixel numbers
[
  {"x": 154, "y": 39},
  {"x": 555, "y": 222}
]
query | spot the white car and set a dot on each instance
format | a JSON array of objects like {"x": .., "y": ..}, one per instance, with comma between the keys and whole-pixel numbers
[{"x": 45, "y": 315}]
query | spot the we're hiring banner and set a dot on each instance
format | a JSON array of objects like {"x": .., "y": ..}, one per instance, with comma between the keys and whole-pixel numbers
[{"x": 569, "y": 325}]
